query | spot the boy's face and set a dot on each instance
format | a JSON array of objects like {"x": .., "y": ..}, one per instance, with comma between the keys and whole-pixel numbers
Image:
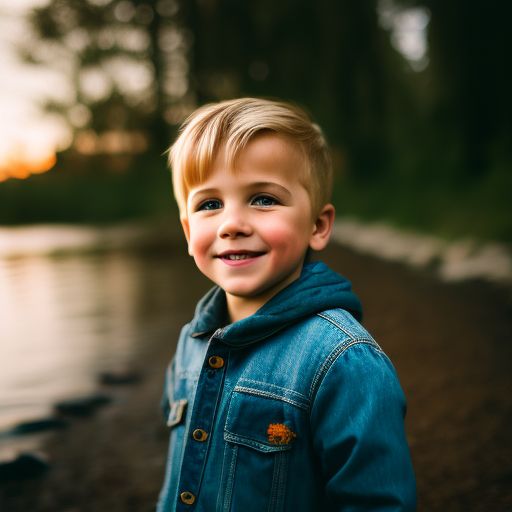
[{"x": 249, "y": 230}]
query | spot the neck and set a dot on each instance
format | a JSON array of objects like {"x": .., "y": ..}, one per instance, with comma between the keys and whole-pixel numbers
[{"x": 242, "y": 307}]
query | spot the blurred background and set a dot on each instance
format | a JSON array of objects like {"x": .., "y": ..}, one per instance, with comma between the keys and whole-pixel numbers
[{"x": 415, "y": 99}]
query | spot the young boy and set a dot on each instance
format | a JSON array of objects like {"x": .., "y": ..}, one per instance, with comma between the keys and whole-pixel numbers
[{"x": 277, "y": 398}]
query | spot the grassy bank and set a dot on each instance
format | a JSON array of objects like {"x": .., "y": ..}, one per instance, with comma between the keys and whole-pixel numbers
[
  {"x": 89, "y": 191},
  {"x": 449, "y": 209}
]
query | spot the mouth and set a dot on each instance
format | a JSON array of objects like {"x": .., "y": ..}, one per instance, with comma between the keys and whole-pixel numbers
[{"x": 239, "y": 255}]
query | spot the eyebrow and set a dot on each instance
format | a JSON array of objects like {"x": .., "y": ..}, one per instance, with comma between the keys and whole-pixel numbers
[
  {"x": 250, "y": 186},
  {"x": 204, "y": 191},
  {"x": 269, "y": 184}
]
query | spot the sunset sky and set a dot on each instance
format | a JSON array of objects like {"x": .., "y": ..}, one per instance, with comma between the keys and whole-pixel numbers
[
  {"x": 25, "y": 132},
  {"x": 29, "y": 136}
]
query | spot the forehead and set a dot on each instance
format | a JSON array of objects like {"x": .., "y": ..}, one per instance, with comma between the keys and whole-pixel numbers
[
  {"x": 267, "y": 154},
  {"x": 270, "y": 148}
]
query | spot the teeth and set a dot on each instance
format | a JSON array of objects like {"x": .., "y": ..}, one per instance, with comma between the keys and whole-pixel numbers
[{"x": 237, "y": 256}]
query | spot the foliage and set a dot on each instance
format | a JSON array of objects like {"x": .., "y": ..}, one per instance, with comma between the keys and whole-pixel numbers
[
  {"x": 116, "y": 55},
  {"x": 91, "y": 193},
  {"x": 469, "y": 81},
  {"x": 420, "y": 146}
]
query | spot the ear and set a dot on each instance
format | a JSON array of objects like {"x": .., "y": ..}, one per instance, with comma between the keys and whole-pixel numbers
[
  {"x": 322, "y": 228},
  {"x": 186, "y": 229}
]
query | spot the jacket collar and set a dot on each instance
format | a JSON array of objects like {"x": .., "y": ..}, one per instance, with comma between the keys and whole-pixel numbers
[{"x": 317, "y": 289}]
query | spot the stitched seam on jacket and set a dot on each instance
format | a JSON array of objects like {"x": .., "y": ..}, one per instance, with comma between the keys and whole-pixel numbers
[
  {"x": 333, "y": 322},
  {"x": 288, "y": 391},
  {"x": 340, "y": 349},
  {"x": 221, "y": 495},
  {"x": 268, "y": 394},
  {"x": 257, "y": 445},
  {"x": 351, "y": 336},
  {"x": 279, "y": 482},
  {"x": 274, "y": 485},
  {"x": 231, "y": 480}
]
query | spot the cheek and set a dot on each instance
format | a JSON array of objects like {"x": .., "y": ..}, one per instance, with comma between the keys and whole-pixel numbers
[
  {"x": 288, "y": 237},
  {"x": 200, "y": 240}
]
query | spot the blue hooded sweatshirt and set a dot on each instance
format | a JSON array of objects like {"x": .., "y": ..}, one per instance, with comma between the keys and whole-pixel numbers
[{"x": 295, "y": 408}]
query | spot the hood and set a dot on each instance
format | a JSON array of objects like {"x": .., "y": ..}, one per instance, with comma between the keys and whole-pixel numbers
[{"x": 317, "y": 289}]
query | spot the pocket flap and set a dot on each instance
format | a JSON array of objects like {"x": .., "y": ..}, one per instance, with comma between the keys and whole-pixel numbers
[
  {"x": 176, "y": 412},
  {"x": 265, "y": 424}
]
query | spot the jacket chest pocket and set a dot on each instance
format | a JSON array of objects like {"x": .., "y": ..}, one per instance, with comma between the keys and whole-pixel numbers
[{"x": 261, "y": 433}]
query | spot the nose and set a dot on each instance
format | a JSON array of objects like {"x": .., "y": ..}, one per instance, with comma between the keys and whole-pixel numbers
[{"x": 234, "y": 224}]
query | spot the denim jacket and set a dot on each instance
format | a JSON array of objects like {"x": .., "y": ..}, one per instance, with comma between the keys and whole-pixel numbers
[{"x": 295, "y": 408}]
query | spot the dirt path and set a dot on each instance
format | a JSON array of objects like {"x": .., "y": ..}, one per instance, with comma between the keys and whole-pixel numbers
[{"x": 451, "y": 344}]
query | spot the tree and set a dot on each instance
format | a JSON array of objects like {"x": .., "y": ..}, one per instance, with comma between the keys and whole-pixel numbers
[
  {"x": 124, "y": 60},
  {"x": 471, "y": 80},
  {"x": 329, "y": 56}
]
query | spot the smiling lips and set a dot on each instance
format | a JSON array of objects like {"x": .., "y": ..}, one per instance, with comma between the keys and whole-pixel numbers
[{"x": 238, "y": 257}]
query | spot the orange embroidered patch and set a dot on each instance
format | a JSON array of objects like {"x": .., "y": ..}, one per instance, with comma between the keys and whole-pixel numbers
[{"x": 279, "y": 433}]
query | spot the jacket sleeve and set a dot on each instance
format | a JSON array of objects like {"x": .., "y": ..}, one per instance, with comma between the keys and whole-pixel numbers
[{"x": 357, "y": 421}]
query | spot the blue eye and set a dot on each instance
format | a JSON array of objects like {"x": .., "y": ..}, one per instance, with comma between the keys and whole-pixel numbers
[
  {"x": 264, "y": 201},
  {"x": 210, "y": 204}
]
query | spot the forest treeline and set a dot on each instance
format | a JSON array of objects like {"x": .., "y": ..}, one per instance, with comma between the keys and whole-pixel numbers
[{"x": 426, "y": 146}]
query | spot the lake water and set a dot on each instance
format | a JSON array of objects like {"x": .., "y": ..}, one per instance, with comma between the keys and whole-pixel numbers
[{"x": 64, "y": 319}]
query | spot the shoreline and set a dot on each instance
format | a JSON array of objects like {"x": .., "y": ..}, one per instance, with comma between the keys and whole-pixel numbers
[
  {"x": 455, "y": 260},
  {"x": 117, "y": 450},
  {"x": 453, "y": 369}
]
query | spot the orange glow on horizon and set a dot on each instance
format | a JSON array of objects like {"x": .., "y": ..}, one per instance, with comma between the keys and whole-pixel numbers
[
  {"x": 21, "y": 168},
  {"x": 110, "y": 142}
]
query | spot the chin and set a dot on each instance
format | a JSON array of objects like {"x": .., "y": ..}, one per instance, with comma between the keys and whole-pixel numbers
[{"x": 244, "y": 292}]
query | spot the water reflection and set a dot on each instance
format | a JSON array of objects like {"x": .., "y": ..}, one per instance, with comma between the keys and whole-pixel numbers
[{"x": 63, "y": 320}]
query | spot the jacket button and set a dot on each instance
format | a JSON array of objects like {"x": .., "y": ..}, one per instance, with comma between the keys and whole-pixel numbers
[
  {"x": 216, "y": 362},
  {"x": 187, "y": 497},
  {"x": 200, "y": 435}
]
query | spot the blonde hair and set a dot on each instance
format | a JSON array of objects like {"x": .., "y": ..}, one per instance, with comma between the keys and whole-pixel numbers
[{"x": 232, "y": 124}]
